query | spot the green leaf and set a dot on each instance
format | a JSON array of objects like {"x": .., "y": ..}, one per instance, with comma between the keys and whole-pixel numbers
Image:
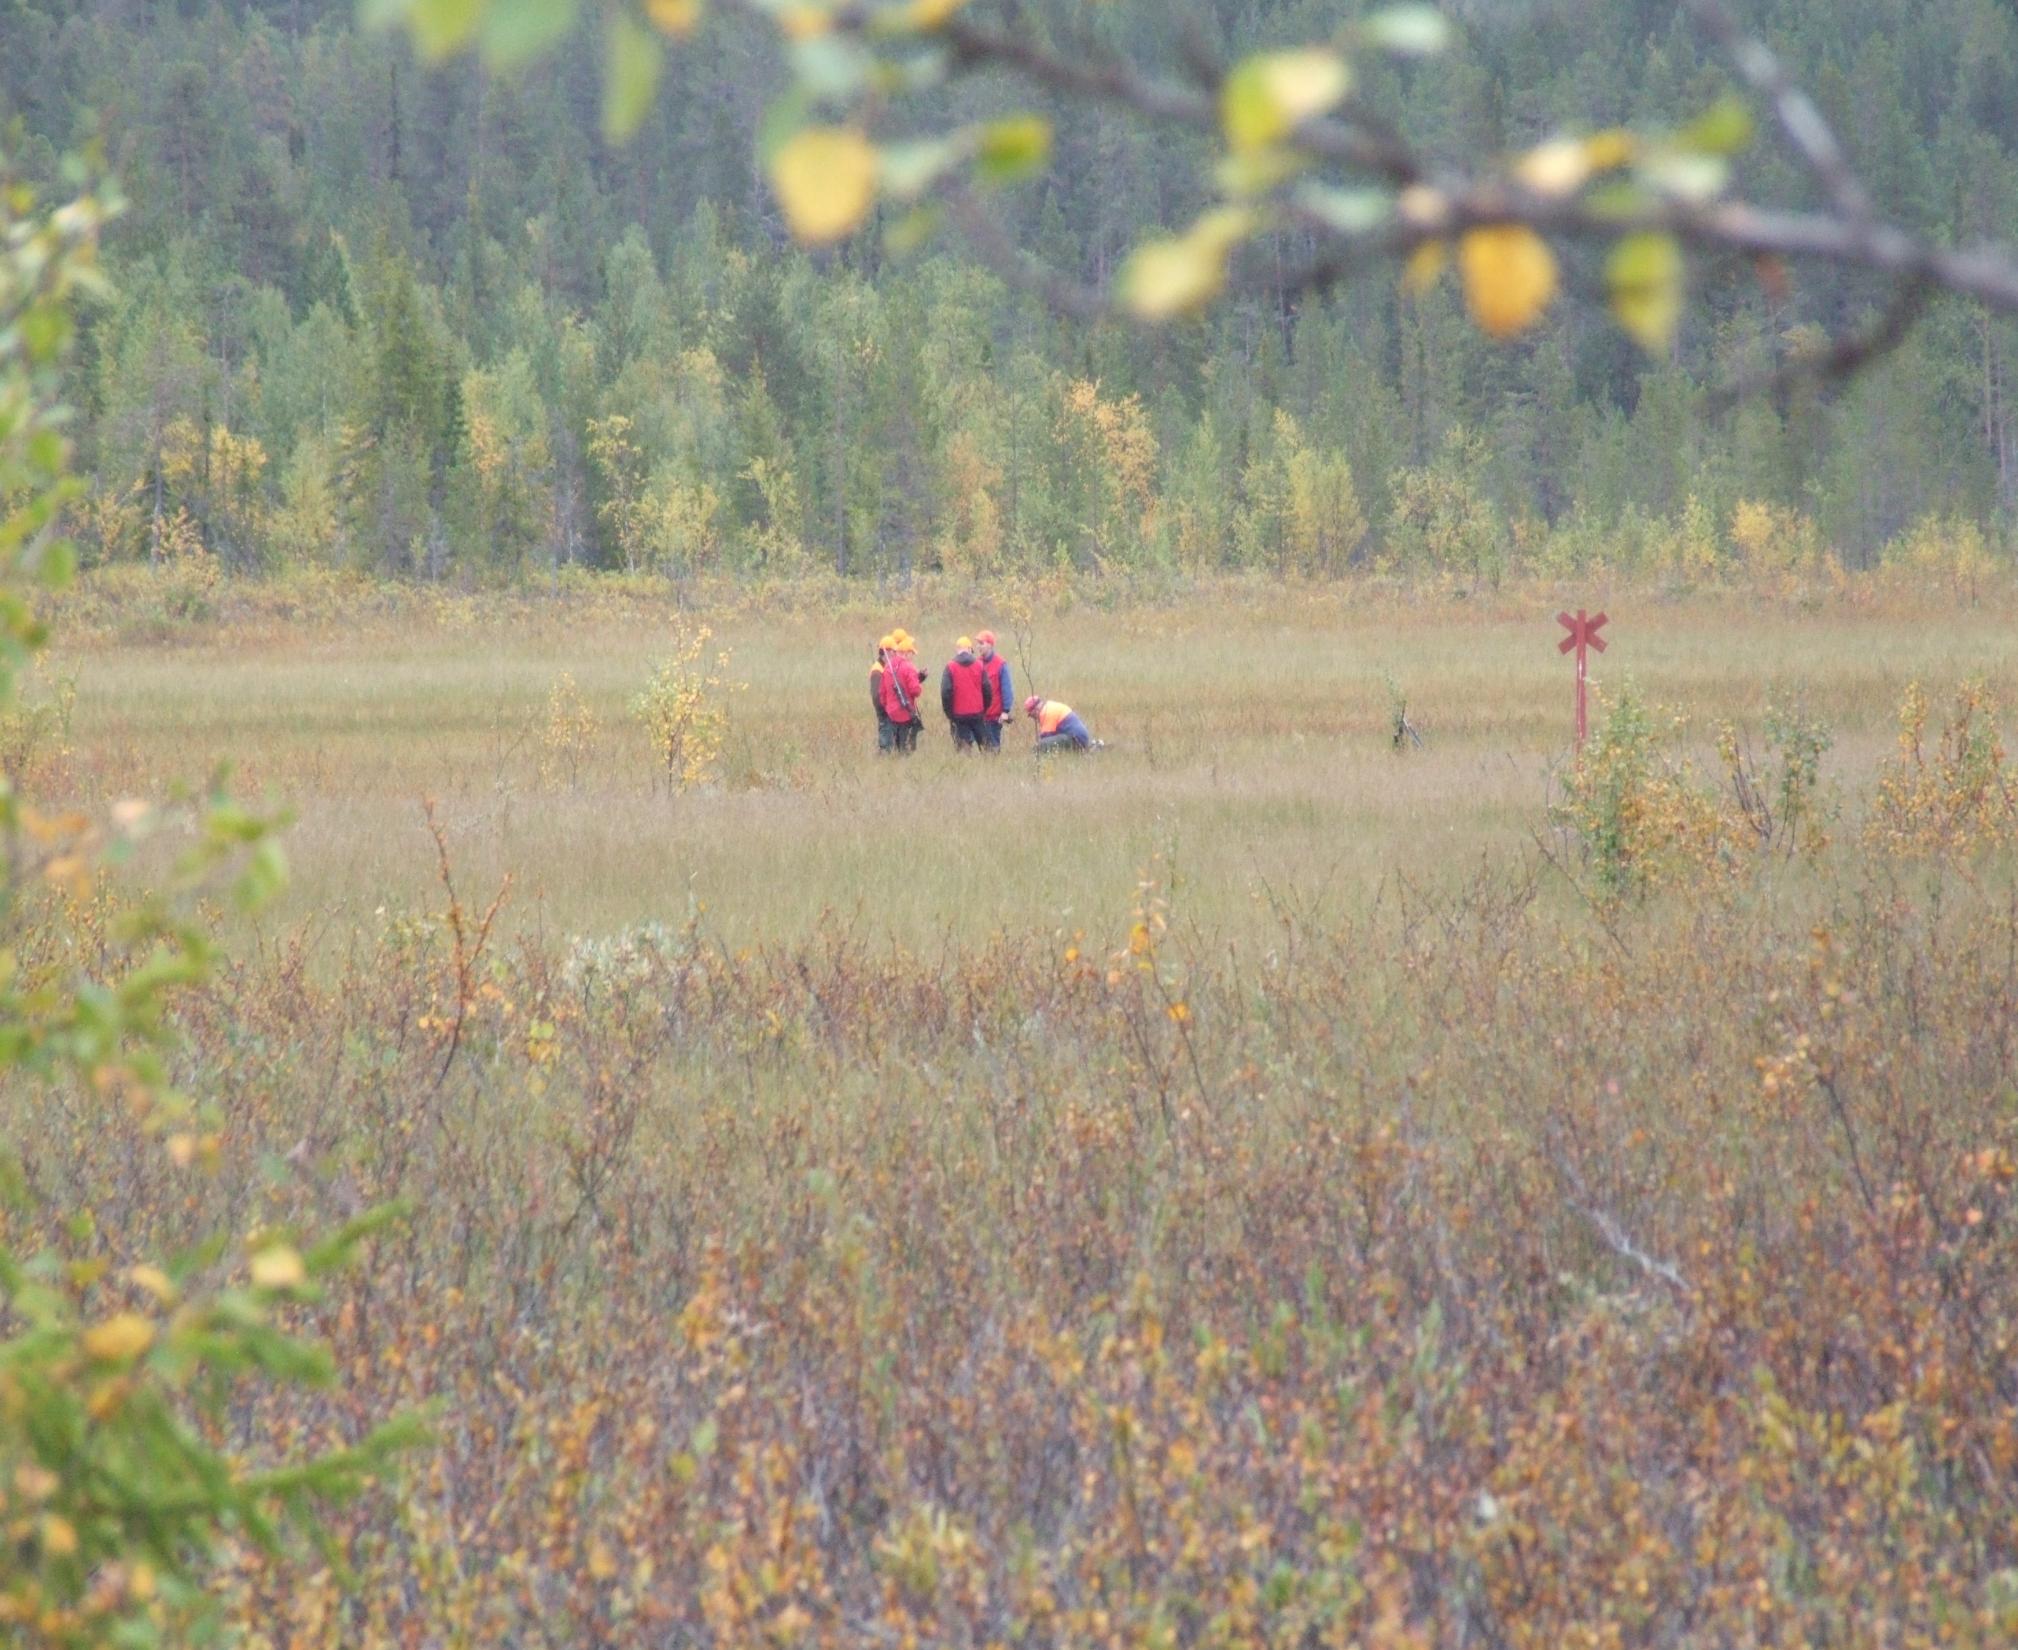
[
  {"x": 440, "y": 27},
  {"x": 1686, "y": 175},
  {"x": 632, "y": 57},
  {"x": 1407, "y": 31},
  {"x": 58, "y": 566},
  {"x": 909, "y": 169},
  {"x": 1725, "y": 128},
  {"x": 383, "y": 14},
  {"x": 831, "y": 66},
  {"x": 1618, "y": 199},
  {"x": 264, "y": 875},
  {"x": 1644, "y": 275},
  {"x": 1349, "y": 211},
  {"x": 1257, "y": 171},
  {"x": 1013, "y": 148},
  {"x": 517, "y": 31}
]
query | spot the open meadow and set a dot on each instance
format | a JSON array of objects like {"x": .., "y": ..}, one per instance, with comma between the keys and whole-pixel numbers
[
  {"x": 1250, "y": 734},
  {"x": 1248, "y": 1188}
]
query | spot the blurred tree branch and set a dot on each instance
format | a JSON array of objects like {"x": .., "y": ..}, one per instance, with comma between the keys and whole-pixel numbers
[{"x": 1300, "y": 152}]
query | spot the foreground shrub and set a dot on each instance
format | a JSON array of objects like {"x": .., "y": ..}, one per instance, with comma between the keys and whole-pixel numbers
[
  {"x": 1447, "y": 1273},
  {"x": 114, "y": 1506}
]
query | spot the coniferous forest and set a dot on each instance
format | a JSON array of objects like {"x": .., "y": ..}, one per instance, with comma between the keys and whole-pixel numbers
[{"x": 427, "y": 322}]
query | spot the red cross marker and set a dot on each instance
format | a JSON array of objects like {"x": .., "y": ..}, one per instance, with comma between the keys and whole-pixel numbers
[{"x": 1583, "y": 633}]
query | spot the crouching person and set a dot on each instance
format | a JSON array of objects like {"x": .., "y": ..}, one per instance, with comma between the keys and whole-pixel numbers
[{"x": 1059, "y": 727}]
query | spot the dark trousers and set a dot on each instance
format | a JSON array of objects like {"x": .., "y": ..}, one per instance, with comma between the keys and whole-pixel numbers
[
  {"x": 991, "y": 734},
  {"x": 905, "y": 737},
  {"x": 1060, "y": 741},
  {"x": 886, "y": 740},
  {"x": 967, "y": 734}
]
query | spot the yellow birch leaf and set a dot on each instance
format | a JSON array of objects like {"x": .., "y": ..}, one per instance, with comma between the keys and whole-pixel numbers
[
  {"x": 1224, "y": 228},
  {"x": 1269, "y": 95},
  {"x": 108, "y": 1398},
  {"x": 1509, "y": 276},
  {"x": 1171, "y": 277},
  {"x": 278, "y": 1267},
  {"x": 1563, "y": 165},
  {"x": 121, "y": 1337},
  {"x": 1181, "y": 274},
  {"x": 805, "y": 22},
  {"x": 1644, "y": 275},
  {"x": 1557, "y": 167},
  {"x": 678, "y": 18},
  {"x": 1610, "y": 149},
  {"x": 1305, "y": 83},
  {"x": 825, "y": 179},
  {"x": 155, "y": 1281},
  {"x": 59, "y": 1536}
]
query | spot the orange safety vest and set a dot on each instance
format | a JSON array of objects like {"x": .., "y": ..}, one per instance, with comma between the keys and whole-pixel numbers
[{"x": 1051, "y": 715}]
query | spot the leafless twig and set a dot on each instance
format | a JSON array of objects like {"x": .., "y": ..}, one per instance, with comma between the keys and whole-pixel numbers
[{"x": 1620, "y": 1242}]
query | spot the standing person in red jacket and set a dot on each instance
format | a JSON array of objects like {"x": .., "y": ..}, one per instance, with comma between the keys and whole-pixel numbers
[
  {"x": 902, "y": 687},
  {"x": 966, "y": 697},
  {"x": 996, "y": 669}
]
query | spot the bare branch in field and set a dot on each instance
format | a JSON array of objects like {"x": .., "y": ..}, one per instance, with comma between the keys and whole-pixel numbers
[{"x": 1620, "y": 1242}]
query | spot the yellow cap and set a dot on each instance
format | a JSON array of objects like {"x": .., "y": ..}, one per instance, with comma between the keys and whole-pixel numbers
[
  {"x": 965, "y": 644},
  {"x": 888, "y": 642}
]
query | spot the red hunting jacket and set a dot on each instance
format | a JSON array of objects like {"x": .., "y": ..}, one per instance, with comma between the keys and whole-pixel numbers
[
  {"x": 901, "y": 687},
  {"x": 965, "y": 690}
]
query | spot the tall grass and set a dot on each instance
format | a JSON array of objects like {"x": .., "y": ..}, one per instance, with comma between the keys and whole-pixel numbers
[{"x": 1249, "y": 736}]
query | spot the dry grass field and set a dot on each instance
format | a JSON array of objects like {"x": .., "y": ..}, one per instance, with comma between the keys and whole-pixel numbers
[{"x": 1250, "y": 743}]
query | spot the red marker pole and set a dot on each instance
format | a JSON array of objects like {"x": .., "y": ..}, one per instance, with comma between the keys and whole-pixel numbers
[{"x": 1583, "y": 634}]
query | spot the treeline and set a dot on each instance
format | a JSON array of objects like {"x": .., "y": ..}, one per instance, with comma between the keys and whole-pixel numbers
[{"x": 428, "y": 324}]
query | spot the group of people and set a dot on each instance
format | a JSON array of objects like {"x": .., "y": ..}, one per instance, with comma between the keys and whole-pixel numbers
[{"x": 976, "y": 696}]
